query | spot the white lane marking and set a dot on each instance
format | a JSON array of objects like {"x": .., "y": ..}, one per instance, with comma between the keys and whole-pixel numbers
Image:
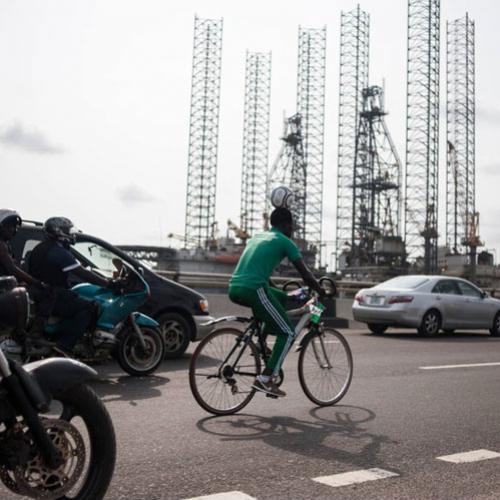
[
  {"x": 229, "y": 495},
  {"x": 469, "y": 456},
  {"x": 471, "y": 365},
  {"x": 354, "y": 477}
]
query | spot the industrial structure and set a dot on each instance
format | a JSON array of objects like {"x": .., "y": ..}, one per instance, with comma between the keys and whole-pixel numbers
[
  {"x": 376, "y": 191},
  {"x": 203, "y": 131},
  {"x": 354, "y": 66},
  {"x": 422, "y": 134},
  {"x": 289, "y": 169},
  {"x": 311, "y": 71},
  {"x": 460, "y": 135},
  {"x": 387, "y": 212},
  {"x": 255, "y": 140}
]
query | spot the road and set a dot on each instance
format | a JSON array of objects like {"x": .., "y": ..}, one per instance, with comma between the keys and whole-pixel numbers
[{"x": 397, "y": 417}]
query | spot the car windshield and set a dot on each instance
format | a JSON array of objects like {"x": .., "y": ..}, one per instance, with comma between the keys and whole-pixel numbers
[
  {"x": 101, "y": 258},
  {"x": 404, "y": 282}
]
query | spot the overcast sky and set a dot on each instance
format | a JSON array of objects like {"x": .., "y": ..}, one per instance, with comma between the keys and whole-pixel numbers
[{"x": 94, "y": 103}]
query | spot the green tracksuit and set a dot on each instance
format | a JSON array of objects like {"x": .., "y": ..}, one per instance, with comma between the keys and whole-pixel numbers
[{"x": 249, "y": 286}]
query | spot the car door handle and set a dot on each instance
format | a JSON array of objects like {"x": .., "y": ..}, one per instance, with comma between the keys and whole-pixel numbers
[{"x": 438, "y": 298}]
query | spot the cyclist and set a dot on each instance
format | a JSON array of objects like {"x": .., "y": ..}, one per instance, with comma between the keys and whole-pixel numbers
[{"x": 249, "y": 286}]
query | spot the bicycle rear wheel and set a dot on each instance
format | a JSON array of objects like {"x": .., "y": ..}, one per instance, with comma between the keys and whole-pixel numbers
[
  {"x": 222, "y": 371},
  {"x": 325, "y": 367}
]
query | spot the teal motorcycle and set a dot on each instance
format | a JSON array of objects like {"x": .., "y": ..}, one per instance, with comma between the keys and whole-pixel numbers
[{"x": 132, "y": 338}]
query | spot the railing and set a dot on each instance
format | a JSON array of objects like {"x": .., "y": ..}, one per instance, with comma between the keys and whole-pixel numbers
[{"x": 221, "y": 281}]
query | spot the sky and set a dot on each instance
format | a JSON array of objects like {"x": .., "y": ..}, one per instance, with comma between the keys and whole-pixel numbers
[{"x": 94, "y": 104}]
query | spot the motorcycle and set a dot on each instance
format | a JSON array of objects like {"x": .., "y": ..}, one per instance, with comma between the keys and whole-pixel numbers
[
  {"x": 133, "y": 338},
  {"x": 56, "y": 437}
]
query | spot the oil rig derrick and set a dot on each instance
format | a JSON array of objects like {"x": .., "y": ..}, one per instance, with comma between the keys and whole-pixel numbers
[
  {"x": 460, "y": 131},
  {"x": 311, "y": 71},
  {"x": 376, "y": 187},
  {"x": 289, "y": 169},
  {"x": 255, "y": 140},
  {"x": 203, "y": 132},
  {"x": 354, "y": 66},
  {"x": 422, "y": 134}
]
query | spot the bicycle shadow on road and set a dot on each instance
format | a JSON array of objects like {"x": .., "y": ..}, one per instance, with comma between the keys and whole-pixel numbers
[
  {"x": 129, "y": 389},
  {"x": 332, "y": 434}
]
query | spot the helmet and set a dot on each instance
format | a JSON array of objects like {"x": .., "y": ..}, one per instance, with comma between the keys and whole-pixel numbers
[
  {"x": 60, "y": 229},
  {"x": 9, "y": 217}
]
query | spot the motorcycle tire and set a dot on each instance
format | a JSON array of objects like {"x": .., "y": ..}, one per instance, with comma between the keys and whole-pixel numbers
[
  {"x": 82, "y": 402},
  {"x": 130, "y": 354}
]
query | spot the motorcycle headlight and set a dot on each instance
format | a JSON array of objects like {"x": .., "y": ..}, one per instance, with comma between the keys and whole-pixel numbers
[{"x": 204, "y": 305}]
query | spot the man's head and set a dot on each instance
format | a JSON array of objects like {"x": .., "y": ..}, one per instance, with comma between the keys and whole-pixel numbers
[
  {"x": 282, "y": 219},
  {"x": 10, "y": 221},
  {"x": 60, "y": 229}
]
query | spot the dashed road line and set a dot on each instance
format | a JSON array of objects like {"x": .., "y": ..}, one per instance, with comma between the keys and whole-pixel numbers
[
  {"x": 229, "y": 495},
  {"x": 354, "y": 477},
  {"x": 470, "y": 365},
  {"x": 469, "y": 456}
]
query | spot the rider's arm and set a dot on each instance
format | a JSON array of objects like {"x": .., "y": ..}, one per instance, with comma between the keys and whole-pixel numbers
[
  {"x": 307, "y": 276},
  {"x": 90, "y": 277},
  {"x": 10, "y": 266}
]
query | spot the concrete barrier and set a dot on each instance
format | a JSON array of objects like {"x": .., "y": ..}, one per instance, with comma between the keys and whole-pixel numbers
[{"x": 220, "y": 305}]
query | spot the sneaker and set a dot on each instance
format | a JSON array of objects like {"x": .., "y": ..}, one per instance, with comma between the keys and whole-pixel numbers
[{"x": 268, "y": 388}]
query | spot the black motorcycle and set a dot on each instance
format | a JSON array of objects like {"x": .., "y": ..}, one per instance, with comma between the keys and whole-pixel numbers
[{"x": 56, "y": 437}]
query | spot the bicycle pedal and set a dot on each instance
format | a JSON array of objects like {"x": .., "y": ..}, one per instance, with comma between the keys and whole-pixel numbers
[{"x": 271, "y": 396}]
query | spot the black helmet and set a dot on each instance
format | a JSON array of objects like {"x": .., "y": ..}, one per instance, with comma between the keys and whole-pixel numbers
[
  {"x": 9, "y": 217},
  {"x": 60, "y": 229}
]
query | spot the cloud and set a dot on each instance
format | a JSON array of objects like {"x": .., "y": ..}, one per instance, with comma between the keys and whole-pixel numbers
[
  {"x": 133, "y": 195},
  {"x": 489, "y": 115},
  {"x": 29, "y": 140}
]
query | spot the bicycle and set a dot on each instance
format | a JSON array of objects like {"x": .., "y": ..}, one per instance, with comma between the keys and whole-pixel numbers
[{"x": 225, "y": 363}]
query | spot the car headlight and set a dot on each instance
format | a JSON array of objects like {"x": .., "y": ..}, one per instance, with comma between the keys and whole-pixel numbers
[{"x": 204, "y": 305}]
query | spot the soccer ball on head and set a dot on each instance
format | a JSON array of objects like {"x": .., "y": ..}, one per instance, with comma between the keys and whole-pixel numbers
[{"x": 282, "y": 196}]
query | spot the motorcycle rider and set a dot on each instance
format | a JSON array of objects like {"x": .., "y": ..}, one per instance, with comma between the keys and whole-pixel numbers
[
  {"x": 52, "y": 262},
  {"x": 10, "y": 221}
]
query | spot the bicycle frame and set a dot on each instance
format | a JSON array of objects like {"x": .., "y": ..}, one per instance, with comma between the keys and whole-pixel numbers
[{"x": 255, "y": 329}]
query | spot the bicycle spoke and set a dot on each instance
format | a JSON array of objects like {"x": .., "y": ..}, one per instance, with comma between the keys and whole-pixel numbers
[
  {"x": 235, "y": 366},
  {"x": 325, "y": 367}
]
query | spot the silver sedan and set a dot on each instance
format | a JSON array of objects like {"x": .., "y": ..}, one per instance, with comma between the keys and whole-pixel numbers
[{"x": 427, "y": 303}]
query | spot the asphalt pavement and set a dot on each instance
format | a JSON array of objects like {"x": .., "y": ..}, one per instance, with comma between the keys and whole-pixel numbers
[{"x": 415, "y": 424}]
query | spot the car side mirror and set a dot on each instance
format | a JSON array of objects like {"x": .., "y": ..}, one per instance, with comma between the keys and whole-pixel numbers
[
  {"x": 484, "y": 295},
  {"x": 140, "y": 270}
]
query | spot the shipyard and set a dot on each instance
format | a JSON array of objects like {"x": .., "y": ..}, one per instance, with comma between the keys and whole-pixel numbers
[{"x": 249, "y": 250}]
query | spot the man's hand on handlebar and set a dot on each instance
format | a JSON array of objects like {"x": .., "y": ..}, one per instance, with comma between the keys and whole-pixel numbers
[{"x": 117, "y": 285}]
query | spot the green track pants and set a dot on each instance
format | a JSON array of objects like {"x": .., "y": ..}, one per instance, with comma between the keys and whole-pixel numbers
[{"x": 268, "y": 305}]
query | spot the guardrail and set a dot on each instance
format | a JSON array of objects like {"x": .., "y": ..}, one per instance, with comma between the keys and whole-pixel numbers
[{"x": 221, "y": 281}]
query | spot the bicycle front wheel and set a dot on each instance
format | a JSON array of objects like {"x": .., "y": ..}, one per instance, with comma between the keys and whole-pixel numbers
[
  {"x": 325, "y": 367},
  {"x": 222, "y": 371}
]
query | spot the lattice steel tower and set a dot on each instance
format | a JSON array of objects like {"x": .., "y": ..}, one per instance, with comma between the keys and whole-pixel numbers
[
  {"x": 354, "y": 65},
  {"x": 311, "y": 107},
  {"x": 376, "y": 186},
  {"x": 289, "y": 169},
  {"x": 255, "y": 140},
  {"x": 460, "y": 132},
  {"x": 203, "y": 131},
  {"x": 422, "y": 132}
]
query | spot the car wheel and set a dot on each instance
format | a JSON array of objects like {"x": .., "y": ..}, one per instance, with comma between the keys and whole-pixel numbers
[
  {"x": 176, "y": 333},
  {"x": 431, "y": 323},
  {"x": 495, "y": 329},
  {"x": 377, "y": 329}
]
